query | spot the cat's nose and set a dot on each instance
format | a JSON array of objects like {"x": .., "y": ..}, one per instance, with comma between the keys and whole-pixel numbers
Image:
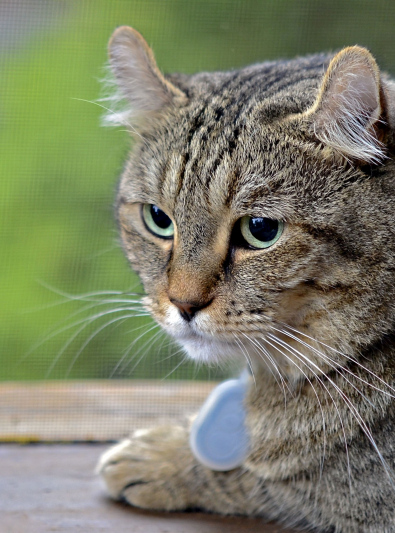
[{"x": 188, "y": 309}]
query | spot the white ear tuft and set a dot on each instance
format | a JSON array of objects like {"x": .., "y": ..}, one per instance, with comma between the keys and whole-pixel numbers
[
  {"x": 348, "y": 106},
  {"x": 138, "y": 80}
]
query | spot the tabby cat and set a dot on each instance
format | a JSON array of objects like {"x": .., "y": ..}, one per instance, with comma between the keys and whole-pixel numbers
[{"x": 258, "y": 207}]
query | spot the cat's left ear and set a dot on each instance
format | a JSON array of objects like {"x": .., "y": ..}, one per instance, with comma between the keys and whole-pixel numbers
[{"x": 350, "y": 114}]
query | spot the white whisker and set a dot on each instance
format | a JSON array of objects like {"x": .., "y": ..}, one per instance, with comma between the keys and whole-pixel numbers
[
  {"x": 331, "y": 363},
  {"x": 144, "y": 348},
  {"x": 96, "y": 332},
  {"x": 259, "y": 349},
  {"x": 352, "y": 408},
  {"x": 127, "y": 351},
  {"x": 175, "y": 368},
  {"x": 355, "y": 361},
  {"x": 245, "y": 353},
  {"x": 274, "y": 338},
  {"x": 85, "y": 322}
]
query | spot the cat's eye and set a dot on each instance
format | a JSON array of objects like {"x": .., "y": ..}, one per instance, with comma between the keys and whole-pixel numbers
[
  {"x": 260, "y": 232},
  {"x": 157, "y": 221}
]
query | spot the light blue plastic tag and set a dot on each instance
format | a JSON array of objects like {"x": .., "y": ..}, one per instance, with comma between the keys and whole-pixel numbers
[{"x": 219, "y": 438}]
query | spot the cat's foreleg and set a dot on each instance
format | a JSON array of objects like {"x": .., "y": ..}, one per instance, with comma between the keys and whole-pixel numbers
[{"x": 155, "y": 469}]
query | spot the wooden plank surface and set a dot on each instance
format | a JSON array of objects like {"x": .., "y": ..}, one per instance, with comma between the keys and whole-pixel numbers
[
  {"x": 53, "y": 488},
  {"x": 64, "y": 411}
]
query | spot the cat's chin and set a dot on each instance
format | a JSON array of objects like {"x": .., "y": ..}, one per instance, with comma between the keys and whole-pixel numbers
[
  {"x": 209, "y": 351},
  {"x": 197, "y": 339}
]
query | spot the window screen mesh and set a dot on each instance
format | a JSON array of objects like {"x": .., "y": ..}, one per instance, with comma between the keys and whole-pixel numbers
[{"x": 62, "y": 270}]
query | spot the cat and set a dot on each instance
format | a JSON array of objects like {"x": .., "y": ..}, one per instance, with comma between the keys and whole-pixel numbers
[{"x": 258, "y": 208}]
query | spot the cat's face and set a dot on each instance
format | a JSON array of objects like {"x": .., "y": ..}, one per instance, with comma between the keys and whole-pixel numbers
[{"x": 243, "y": 226}]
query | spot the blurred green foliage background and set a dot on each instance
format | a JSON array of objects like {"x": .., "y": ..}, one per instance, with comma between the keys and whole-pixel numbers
[{"x": 59, "y": 168}]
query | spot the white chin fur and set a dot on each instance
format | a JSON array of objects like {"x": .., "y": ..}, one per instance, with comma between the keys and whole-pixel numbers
[
  {"x": 198, "y": 346},
  {"x": 206, "y": 351}
]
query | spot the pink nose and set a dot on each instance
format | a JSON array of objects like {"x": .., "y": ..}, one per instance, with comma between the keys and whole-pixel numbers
[{"x": 188, "y": 309}]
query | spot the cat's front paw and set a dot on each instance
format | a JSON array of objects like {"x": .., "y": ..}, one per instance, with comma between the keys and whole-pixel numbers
[{"x": 149, "y": 469}]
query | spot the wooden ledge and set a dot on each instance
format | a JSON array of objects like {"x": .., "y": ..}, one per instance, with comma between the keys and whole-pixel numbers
[
  {"x": 69, "y": 411},
  {"x": 52, "y": 488}
]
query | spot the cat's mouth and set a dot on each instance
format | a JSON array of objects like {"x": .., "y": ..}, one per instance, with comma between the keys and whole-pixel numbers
[
  {"x": 201, "y": 337},
  {"x": 201, "y": 328}
]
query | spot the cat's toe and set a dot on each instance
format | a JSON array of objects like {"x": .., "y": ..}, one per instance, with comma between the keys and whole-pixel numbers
[
  {"x": 156, "y": 496},
  {"x": 145, "y": 472},
  {"x": 115, "y": 467}
]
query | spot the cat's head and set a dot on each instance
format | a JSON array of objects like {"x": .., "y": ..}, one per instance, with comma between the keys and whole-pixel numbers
[{"x": 258, "y": 206}]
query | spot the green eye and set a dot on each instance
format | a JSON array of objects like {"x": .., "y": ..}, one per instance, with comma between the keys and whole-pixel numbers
[
  {"x": 157, "y": 221},
  {"x": 261, "y": 232}
]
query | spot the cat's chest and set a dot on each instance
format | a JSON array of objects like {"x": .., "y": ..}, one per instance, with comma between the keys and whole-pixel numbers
[{"x": 290, "y": 432}]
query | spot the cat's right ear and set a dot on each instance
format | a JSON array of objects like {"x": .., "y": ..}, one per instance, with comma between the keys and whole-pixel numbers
[
  {"x": 139, "y": 81},
  {"x": 353, "y": 107}
]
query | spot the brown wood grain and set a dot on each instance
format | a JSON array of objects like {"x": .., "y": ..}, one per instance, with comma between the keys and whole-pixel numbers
[
  {"x": 64, "y": 411},
  {"x": 53, "y": 488}
]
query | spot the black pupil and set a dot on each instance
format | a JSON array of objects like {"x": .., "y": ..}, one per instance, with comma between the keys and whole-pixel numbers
[
  {"x": 159, "y": 217},
  {"x": 263, "y": 229}
]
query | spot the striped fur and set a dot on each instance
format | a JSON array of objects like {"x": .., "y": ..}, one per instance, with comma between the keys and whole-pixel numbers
[{"x": 313, "y": 315}]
